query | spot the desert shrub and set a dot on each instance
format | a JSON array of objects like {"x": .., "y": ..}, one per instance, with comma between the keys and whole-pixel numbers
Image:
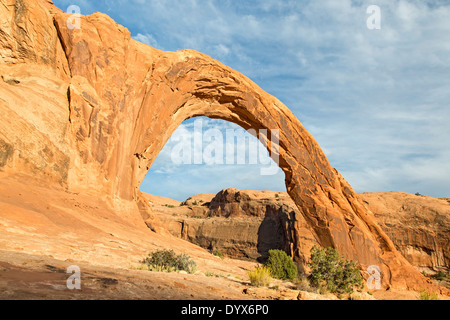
[
  {"x": 218, "y": 254},
  {"x": 439, "y": 276},
  {"x": 329, "y": 270},
  {"x": 259, "y": 276},
  {"x": 167, "y": 260},
  {"x": 426, "y": 295},
  {"x": 186, "y": 263},
  {"x": 302, "y": 283},
  {"x": 281, "y": 265}
]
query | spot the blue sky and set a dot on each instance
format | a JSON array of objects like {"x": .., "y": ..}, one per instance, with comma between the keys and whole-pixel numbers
[{"x": 377, "y": 101}]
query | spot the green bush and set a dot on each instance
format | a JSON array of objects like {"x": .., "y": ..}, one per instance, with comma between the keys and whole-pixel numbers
[
  {"x": 218, "y": 254},
  {"x": 260, "y": 276},
  {"x": 439, "y": 276},
  {"x": 281, "y": 265},
  {"x": 167, "y": 260},
  {"x": 330, "y": 270},
  {"x": 426, "y": 295}
]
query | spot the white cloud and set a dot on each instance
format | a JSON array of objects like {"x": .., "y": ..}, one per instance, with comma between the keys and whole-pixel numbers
[
  {"x": 221, "y": 50},
  {"x": 192, "y": 179},
  {"x": 147, "y": 39}
]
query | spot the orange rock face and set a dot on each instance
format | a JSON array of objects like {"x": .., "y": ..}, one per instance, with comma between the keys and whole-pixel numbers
[
  {"x": 91, "y": 109},
  {"x": 246, "y": 224},
  {"x": 418, "y": 225}
]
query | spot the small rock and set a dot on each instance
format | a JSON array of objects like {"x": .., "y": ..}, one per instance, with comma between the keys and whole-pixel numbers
[
  {"x": 289, "y": 294},
  {"x": 303, "y": 295}
]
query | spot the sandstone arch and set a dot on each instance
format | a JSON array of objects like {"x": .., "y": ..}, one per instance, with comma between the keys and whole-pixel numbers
[
  {"x": 157, "y": 91},
  {"x": 125, "y": 99}
]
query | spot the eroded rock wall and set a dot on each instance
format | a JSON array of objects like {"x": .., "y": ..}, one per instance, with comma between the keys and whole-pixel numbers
[
  {"x": 34, "y": 76},
  {"x": 418, "y": 225},
  {"x": 246, "y": 224}
]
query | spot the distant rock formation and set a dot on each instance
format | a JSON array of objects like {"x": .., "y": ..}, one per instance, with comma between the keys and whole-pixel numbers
[
  {"x": 246, "y": 224},
  {"x": 90, "y": 108},
  {"x": 418, "y": 225}
]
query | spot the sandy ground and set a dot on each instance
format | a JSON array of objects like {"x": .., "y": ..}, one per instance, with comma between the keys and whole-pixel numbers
[
  {"x": 45, "y": 229},
  {"x": 37, "y": 277},
  {"x": 43, "y": 226}
]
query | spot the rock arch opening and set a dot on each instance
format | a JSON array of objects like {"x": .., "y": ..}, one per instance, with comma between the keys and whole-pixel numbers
[
  {"x": 229, "y": 198},
  {"x": 207, "y": 155}
]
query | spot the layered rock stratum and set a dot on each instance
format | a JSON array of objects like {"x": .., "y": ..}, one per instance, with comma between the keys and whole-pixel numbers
[
  {"x": 246, "y": 224},
  {"x": 90, "y": 108}
]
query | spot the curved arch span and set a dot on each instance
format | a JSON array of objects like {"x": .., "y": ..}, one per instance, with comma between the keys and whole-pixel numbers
[{"x": 126, "y": 100}]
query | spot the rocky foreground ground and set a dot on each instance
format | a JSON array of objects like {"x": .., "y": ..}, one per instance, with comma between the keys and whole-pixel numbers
[{"x": 44, "y": 230}]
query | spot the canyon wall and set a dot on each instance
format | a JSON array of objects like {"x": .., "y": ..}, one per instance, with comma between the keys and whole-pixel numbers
[{"x": 246, "y": 224}]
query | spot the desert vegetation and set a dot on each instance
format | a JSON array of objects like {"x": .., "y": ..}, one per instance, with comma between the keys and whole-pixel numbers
[
  {"x": 260, "y": 276},
  {"x": 168, "y": 261},
  {"x": 330, "y": 272},
  {"x": 427, "y": 295},
  {"x": 218, "y": 254},
  {"x": 281, "y": 265}
]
